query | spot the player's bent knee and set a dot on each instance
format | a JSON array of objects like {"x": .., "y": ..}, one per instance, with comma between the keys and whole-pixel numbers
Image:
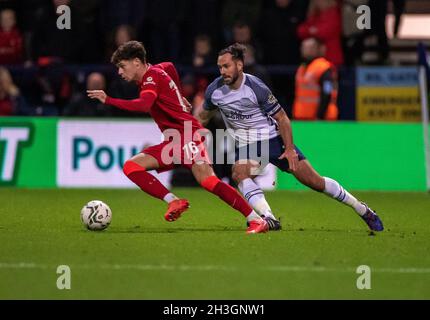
[
  {"x": 210, "y": 183},
  {"x": 239, "y": 175},
  {"x": 130, "y": 167}
]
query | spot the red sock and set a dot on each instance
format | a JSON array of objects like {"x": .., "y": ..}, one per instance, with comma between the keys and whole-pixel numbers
[
  {"x": 146, "y": 181},
  {"x": 228, "y": 194}
]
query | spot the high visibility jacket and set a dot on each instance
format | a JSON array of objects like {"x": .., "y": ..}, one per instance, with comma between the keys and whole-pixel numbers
[{"x": 308, "y": 92}]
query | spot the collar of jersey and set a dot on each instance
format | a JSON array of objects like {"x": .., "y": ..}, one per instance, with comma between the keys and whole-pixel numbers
[
  {"x": 241, "y": 85},
  {"x": 140, "y": 83}
]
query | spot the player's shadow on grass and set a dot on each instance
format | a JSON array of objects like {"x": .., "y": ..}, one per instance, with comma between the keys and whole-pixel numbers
[
  {"x": 175, "y": 230},
  {"x": 215, "y": 229},
  {"x": 315, "y": 230},
  {"x": 296, "y": 231}
]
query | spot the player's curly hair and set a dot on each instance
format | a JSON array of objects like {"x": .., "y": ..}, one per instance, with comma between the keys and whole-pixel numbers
[
  {"x": 237, "y": 50},
  {"x": 129, "y": 51}
]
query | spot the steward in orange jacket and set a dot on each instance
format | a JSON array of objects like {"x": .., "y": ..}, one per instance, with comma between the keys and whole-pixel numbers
[{"x": 316, "y": 85}]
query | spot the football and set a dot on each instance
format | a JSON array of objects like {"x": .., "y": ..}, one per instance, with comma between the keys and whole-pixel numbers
[{"x": 96, "y": 215}]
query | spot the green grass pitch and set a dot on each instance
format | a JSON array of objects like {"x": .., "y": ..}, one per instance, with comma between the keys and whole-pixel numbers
[{"x": 206, "y": 254}]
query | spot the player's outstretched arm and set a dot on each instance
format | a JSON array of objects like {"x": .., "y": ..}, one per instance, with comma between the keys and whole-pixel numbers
[
  {"x": 204, "y": 116},
  {"x": 287, "y": 136},
  {"x": 142, "y": 104}
]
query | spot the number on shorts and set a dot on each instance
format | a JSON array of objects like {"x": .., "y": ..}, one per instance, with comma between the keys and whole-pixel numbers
[{"x": 191, "y": 150}]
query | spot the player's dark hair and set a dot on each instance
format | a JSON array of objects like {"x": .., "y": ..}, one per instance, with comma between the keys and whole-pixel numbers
[
  {"x": 237, "y": 50},
  {"x": 129, "y": 51}
]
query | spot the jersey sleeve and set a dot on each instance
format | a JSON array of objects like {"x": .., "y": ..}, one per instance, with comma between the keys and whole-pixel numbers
[
  {"x": 142, "y": 104},
  {"x": 265, "y": 97},
  {"x": 148, "y": 95},
  {"x": 208, "y": 104}
]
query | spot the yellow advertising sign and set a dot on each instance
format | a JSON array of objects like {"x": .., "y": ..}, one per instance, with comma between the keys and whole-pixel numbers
[{"x": 399, "y": 104}]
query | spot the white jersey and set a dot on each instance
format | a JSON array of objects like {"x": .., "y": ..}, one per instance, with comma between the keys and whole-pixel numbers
[{"x": 247, "y": 111}]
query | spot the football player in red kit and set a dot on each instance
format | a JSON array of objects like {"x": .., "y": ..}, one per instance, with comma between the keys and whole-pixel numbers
[{"x": 160, "y": 96}]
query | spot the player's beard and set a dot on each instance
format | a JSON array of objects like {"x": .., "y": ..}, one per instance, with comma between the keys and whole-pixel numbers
[{"x": 232, "y": 80}]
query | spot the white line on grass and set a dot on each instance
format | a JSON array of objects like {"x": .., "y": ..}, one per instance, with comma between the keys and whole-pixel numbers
[{"x": 191, "y": 268}]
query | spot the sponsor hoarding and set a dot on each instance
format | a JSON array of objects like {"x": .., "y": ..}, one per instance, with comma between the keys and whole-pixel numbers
[{"x": 388, "y": 94}]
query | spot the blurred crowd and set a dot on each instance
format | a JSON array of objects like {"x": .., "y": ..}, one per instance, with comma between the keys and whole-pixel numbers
[{"x": 186, "y": 32}]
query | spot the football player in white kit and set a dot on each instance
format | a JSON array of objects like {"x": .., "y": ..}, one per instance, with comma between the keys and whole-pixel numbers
[{"x": 258, "y": 122}]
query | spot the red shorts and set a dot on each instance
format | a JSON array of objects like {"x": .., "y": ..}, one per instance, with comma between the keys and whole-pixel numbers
[{"x": 185, "y": 153}]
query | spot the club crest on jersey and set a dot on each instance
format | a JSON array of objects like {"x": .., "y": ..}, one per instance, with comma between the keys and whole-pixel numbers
[
  {"x": 149, "y": 80},
  {"x": 272, "y": 99}
]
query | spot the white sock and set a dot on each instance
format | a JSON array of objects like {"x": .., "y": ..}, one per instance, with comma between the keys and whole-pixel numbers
[
  {"x": 336, "y": 191},
  {"x": 253, "y": 216},
  {"x": 170, "y": 197},
  {"x": 255, "y": 196}
]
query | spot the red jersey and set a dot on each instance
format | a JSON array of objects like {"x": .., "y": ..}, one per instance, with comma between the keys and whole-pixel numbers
[
  {"x": 328, "y": 28},
  {"x": 6, "y": 107},
  {"x": 161, "y": 97},
  {"x": 11, "y": 47}
]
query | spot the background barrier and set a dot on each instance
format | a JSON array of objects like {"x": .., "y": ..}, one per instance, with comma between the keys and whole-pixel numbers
[
  {"x": 55, "y": 152},
  {"x": 363, "y": 156}
]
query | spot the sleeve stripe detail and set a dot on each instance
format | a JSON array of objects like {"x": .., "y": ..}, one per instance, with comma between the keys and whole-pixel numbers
[
  {"x": 149, "y": 91},
  {"x": 275, "y": 110}
]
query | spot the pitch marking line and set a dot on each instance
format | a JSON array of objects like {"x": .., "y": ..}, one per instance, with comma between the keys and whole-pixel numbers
[{"x": 190, "y": 268}]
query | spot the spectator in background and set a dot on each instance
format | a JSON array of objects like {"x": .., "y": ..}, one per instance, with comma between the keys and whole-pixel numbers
[
  {"x": 247, "y": 11},
  {"x": 11, "y": 101},
  {"x": 281, "y": 44},
  {"x": 202, "y": 55},
  {"x": 81, "y": 44},
  {"x": 82, "y": 106},
  {"x": 316, "y": 85},
  {"x": 242, "y": 33},
  {"x": 252, "y": 67},
  {"x": 11, "y": 44},
  {"x": 324, "y": 22},
  {"x": 121, "y": 35}
]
